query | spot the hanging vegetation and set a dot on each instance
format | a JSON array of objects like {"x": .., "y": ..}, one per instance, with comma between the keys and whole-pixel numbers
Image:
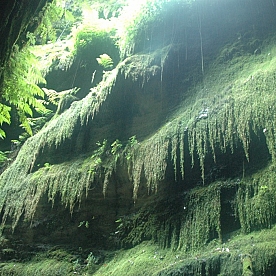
[
  {"x": 214, "y": 117},
  {"x": 223, "y": 122}
]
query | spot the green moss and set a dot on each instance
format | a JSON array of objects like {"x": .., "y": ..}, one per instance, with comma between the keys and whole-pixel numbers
[
  {"x": 229, "y": 258},
  {"x": 233, "y": 109},
  {"x": 255, "y": 202},
  {"x": 215, "y": 259},
  {"x": 247, "y": 269},
  {"x": 233, "y": 104},
  {"x": 92, "y": 42},
  {"x": 201, "y": 218},
  {"x": 31, "y": 185},
  {"x": 46, "y": 267},
  {"x": 185, "y": 223}
]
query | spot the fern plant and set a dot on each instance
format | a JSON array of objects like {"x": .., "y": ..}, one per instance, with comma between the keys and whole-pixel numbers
[
  {"x": 47, "y": 18},
  {"x": 5, "y": 117},
  {"x": 20, "y": 89},
  {"x": 105, "y": 61}
]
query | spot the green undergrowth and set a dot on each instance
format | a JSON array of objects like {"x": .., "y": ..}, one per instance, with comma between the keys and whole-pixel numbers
[
  {"x": 216, "y": 259},
  {"x": 45, "y": 268},
  {"x": 148, "y": 258},
  {"x": 181, "y": 237}
]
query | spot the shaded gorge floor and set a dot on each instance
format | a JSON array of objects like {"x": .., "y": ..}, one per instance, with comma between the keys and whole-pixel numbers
[{"x": 149, "y": 259}]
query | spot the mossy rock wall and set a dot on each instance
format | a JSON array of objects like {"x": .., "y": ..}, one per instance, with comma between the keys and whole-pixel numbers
[
  {"x": 201, "y": 167},
  {"x": 229, "y": 126}
]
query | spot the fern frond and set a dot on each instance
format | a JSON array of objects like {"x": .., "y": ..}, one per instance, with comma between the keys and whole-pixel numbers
[
  {"x": 5, "y": 114},
  {"x": 20, "y": 89},
  {"x": 40, "y": 108},
  {"x": 27, "y": 110},
  {"x": 2, "y": 134},
  {"x": 105, "y": 61},
  {"x": 25, "y": 124},
  {"x": 50, "y": 14}
]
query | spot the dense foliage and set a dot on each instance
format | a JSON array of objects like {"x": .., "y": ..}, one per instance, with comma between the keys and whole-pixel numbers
[
  {"x": 22, "y": 74},
  {"x": 20, "y": 88}
]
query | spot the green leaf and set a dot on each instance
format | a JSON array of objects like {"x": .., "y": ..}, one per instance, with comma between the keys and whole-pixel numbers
[
  {"x": 25, "y": 124},
  {"x": 20, "y": 89},
  {"x": 105, "y": 61},
  {"x": 2, "y": 134},
  {"x": 4, "y": 116},
  {"x": 27, "y": 109}
]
